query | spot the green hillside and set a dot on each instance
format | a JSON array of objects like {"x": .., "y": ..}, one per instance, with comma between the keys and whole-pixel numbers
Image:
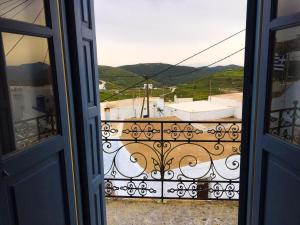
[
  {"x": 224, "y": 79},
  {"x": 221, "y": 82},
  {"x": 117, "y": 78},
  {"x": 176, "y": 75}
]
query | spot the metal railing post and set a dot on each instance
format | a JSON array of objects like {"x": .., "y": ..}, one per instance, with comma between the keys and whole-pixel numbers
[
  {"x": 294, "y": 120},
  {"x": 162, "y": 167}
]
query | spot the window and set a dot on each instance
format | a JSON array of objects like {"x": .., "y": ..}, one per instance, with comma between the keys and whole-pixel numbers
[
  {"x": 30, "y": 83},
  {"x": 285, "y": 77},
  {"x": 22, "y": 10}
]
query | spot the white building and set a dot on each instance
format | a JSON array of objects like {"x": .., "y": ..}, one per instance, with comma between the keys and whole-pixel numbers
[
  {"x": 217, "y": 107},
  {"x": 131, "y": 108},
  {"x": 198, "y": 110},
  {"x": 102, "y": 85},
  {"x": 234, "y": 100}
]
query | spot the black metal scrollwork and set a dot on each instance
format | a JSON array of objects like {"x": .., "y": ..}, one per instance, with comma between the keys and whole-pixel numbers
[{"x": 172, "y": 159}]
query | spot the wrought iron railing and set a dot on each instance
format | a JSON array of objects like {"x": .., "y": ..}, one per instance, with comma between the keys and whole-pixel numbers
[
  {"x": 30, "y": 131},
  {"x": 285, "y": 123},
  {"x": 172, "y": 159}
]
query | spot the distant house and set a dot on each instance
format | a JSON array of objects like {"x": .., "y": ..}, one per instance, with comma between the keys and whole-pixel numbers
[
  {"x": 217, "y": 107},
  {"x": 234, "y": 100},
  {"x": 131, "y": 108}
]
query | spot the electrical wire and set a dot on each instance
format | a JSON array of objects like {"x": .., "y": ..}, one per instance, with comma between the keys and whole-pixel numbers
[
  {"x": 21, "y": 10},
  {"x": 21, "y": 38},
  {"x": 4, "y": 2},
  {"x": 10, "y": 5},
  {"x": 180, "y": 62},
  {"x": 196, "y": 70},
  {"x": 205, "y": 67},
  {"x": 13, "y": 8}
]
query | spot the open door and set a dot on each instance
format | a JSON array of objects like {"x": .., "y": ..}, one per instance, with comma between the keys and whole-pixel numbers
[
  {"x": 273, "y": 197},
  {"x": 36, "y": 168},
  {"x": 50, "y": 157}
]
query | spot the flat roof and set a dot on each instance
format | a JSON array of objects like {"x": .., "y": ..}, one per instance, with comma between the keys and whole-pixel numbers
[
  {"x": 197, "y": 106},
  {"x": 126, "y": 102},
  {"x": 234, "y": 96}
]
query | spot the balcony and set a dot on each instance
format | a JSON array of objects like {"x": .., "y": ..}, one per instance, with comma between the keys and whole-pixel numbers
[
  {"x": 172, "y": 159},
  {"x": 174, "y": 162}
]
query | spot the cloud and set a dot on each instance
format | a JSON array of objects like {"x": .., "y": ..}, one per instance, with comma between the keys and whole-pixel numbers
[{"x": 134, "y": 31}]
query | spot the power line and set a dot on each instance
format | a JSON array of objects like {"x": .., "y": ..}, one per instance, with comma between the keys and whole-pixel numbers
[
  {"x": 14, "y": 8},
  {"x": 198, "y": 53},
  {"x": 21, "y": 10},
  {"x": 205, "y": 67},
  {"x": 20, "y": 39},
  {"x": 9, "y": 5},
  {"x": 197, "y": 69},
  {"x": 4, "y": 2},
  {"x": 184, "y": 60},
  {"x": 171, "y": 66}
]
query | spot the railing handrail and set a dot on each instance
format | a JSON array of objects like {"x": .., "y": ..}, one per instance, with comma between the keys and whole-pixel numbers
[
  {"x": 171, "y": 121},
  {"x": 154, "y": 143}
]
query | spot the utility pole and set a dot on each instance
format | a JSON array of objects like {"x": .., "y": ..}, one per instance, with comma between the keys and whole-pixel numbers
[{"x": 147, "y": 95}]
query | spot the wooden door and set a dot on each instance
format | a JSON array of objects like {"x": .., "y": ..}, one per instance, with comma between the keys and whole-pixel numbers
[
  {"x": 276, "y": 136},
  {"x": 36, "y": 168}
]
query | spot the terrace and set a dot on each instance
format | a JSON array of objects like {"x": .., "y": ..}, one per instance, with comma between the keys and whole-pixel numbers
[{"x": 166, "y": 160}]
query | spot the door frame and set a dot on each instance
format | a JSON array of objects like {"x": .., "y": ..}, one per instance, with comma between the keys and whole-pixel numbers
[
  {"x": 268, "y": 24},
  {"x": 62, "y": 96},
  {"x": 251, "y": 67},
  {"x": 79, "y": 20}
]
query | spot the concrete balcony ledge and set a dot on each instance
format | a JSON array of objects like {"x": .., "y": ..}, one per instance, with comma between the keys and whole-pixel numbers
[{"x": 171, "y": 212}]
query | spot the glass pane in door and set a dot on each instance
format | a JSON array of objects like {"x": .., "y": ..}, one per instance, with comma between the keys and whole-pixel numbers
[
  {"x": 287, "y": 7},
  {"x": 30, "y": 82},
  {"x": 29, "y": 11},
  {"x": 285, "y": 77}
]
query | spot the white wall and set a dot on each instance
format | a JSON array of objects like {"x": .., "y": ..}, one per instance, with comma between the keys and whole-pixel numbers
[
  {"x": 202, "y": 115},
  {"x": 236, "y": 104},
  {"x": 179, "y": 100},
  {"x": 24, "y": 100},
  {"x": 131, "y": 110},
  {"x": 212, "y": 115}
]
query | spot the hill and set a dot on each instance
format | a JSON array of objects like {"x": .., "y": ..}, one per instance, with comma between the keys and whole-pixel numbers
[
  {"x": 118, "y": 78},
  {"x": 176, "y": 75},
  {"x": 227, "y": 81},
  {"x": 31, "y": 74},
  {"x": 224, "y": 79}
]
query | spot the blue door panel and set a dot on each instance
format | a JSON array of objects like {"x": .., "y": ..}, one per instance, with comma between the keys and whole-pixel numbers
[
  {"x": 38, "y": 196},
  {"x": 281, "y": 193}
]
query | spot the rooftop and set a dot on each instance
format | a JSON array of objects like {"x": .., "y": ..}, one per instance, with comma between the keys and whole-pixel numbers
[
  {"x": 197, "y": 106},
  {"x": 234, "y": 96},
  {"x": 126, "y": 102}
]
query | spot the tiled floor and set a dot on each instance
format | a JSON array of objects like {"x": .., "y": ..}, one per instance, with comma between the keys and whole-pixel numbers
[{"x": 151, "y": 212}]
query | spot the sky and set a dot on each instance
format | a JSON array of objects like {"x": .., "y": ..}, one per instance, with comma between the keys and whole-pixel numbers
[{"x": 166, "y": 31}]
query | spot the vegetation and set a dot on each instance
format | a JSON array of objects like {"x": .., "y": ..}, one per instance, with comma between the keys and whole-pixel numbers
[
  {"x": 176, "y": 75},
  {"x": 117, "y": 78},
  {"x": 221, "y": 82},
  {"x": 223, "y": 79}
]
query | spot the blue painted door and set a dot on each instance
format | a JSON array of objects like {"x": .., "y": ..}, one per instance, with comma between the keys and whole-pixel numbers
[
  {"x": 276, "y": 168},
  {"x": 36, "y": 165}
]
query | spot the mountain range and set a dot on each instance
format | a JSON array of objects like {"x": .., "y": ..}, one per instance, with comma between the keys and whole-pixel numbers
[{"x": 129, "y": 74}]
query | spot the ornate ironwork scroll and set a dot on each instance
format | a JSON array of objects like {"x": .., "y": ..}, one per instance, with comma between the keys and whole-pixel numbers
[
  {"x": 285, "y": 123},
  {"x": 32, "y": 130},
  {"x": 172, "y": 159}
]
